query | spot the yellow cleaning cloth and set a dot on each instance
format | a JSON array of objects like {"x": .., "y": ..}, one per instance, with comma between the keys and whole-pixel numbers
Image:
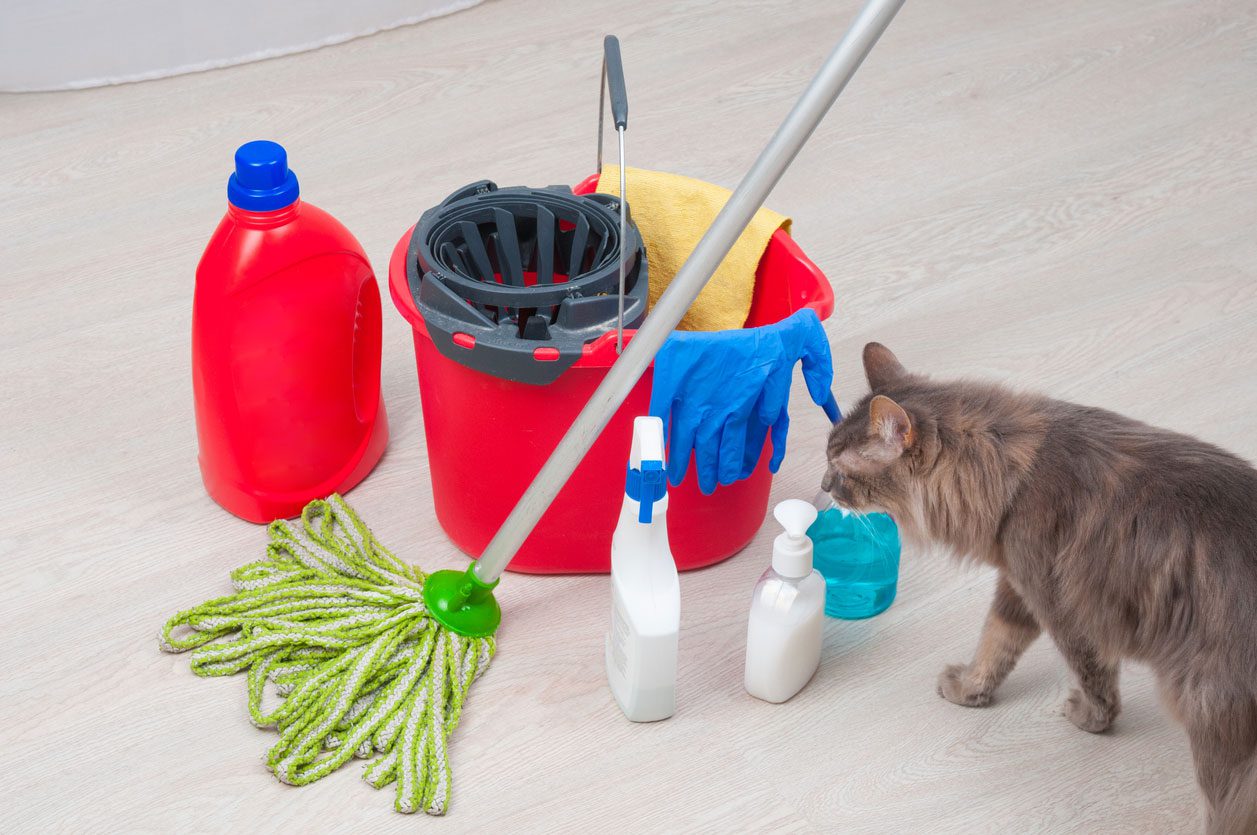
[{"x": 672, "y": 213}]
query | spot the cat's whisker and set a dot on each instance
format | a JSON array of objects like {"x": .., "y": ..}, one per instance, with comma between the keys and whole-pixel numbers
[{"x": 863, "y": 519}]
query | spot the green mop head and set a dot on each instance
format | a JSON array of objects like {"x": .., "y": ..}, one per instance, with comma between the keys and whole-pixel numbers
[{"x": 341, "y": 627}]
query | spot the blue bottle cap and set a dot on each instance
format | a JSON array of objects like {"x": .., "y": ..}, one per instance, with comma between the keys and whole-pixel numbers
[{"x": 262, "y": 182}]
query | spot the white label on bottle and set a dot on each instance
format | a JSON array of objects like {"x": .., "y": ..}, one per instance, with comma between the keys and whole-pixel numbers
[{"x": 619, "y": 636}]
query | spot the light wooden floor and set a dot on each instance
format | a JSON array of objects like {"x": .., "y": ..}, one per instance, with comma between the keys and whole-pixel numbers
[{"x": 1060, "y": 194}]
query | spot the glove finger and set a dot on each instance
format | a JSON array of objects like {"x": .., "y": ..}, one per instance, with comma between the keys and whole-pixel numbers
[
  {"x": 779, "y": 431},
  {"x": 661, "y": 408},
  {"x": 707, "y": 454},
  {"x": 819, "y": 378},
  {"x": 818, "y": 363},
  {"x": 661, "y": 399},
  {"x": 776, "y": 394},
  {"x": 753, "y": 450},
  {"x": 674, "y": 357},
  {"x": 682, "y": 430},
  {"x": 663, "y": 388},
  {"x": 732, "y": 448},
  {"x": 831, "y": 409}
]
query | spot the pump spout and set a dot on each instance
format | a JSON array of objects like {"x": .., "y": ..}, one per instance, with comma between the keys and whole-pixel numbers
[
  {"x": 792, "y": 550},
  {"x": 796, "y": 516}
]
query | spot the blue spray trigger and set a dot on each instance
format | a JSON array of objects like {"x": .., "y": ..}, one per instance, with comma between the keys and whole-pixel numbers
[{"x": 646, "y": 486}]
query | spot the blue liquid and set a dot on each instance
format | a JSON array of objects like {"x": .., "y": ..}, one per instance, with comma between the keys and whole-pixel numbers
[{"x": 858, "y": 555}]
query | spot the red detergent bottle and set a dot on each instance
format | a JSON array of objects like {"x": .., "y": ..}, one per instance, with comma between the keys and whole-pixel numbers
[{"x": 285, "y": 348}]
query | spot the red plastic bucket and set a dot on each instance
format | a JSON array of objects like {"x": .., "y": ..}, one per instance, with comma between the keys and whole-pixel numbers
[{"x": 488, "y": 437}]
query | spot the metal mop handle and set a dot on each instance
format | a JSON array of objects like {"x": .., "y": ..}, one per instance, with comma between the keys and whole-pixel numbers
[
  {"x": 613, "y": 78},
  {"x": 750, "y": 194}
]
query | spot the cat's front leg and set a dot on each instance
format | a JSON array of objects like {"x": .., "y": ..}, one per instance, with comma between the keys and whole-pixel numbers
[
  {"x": 1095, "y": 703},
  {"x": 1009, "y": 629}
]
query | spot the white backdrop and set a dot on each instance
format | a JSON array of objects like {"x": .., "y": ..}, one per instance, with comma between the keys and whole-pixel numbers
[{"x": 67, "y": 44}]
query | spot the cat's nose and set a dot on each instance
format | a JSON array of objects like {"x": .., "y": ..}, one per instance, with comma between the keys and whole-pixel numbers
[{"x": 828, "y": 482}]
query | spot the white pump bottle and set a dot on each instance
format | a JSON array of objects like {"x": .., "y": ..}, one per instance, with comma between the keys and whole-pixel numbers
[
  {"x": 645, "y": 592},
  {"x": 783, "y": 635}
]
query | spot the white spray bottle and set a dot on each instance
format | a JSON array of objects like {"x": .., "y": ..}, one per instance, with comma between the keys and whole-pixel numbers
[
  {"x": 783, "y": 635},
  {"x": 645, "y": 592}
]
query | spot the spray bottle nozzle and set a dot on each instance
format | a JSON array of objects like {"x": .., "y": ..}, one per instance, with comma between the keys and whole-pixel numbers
[
  {"x": 646, "y": 482},
  {"x": 646, "y": 486}
]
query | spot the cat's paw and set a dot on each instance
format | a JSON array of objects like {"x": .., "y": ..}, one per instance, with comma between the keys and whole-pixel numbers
[
  {"x": 955, "y": 686},
  {"x": 1087, "y": 715}
]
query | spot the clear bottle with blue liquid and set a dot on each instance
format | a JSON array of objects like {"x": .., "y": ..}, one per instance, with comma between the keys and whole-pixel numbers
[{"x": 858, "y": 555}]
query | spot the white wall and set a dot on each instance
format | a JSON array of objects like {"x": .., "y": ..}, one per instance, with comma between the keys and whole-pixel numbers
[{"x": 67, "y": 44}]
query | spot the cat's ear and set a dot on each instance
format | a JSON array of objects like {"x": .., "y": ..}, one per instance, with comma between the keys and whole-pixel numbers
[
  {"x": 880, "y": 366},
  {"x": 889, "y": 421}
]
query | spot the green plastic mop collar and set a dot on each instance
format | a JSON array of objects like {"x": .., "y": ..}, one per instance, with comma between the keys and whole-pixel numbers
[
  {"x": 363, "y": 668},
  {"x": 462, "y": 602}
]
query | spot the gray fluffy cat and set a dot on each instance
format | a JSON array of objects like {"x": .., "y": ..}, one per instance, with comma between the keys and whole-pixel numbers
[{"x": 1119, "y": 539}]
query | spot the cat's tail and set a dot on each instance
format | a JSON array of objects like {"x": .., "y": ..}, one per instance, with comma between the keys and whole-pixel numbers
[{"x": 1237, "y": 813}]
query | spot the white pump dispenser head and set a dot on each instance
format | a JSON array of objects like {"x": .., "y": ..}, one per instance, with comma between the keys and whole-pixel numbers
[{"x": 792, "y": 550}]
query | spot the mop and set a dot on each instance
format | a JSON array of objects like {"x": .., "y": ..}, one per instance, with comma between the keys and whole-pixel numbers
[
  {"x": 338, "y": 625},
  {"x": 371, "y": 657}
]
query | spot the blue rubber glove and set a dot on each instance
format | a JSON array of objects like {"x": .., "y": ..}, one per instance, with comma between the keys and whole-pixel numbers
[{"x": 721, "y": 393}]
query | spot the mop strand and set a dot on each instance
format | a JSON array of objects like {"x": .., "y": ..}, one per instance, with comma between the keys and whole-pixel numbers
[{"x": 340, "y": 627}]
